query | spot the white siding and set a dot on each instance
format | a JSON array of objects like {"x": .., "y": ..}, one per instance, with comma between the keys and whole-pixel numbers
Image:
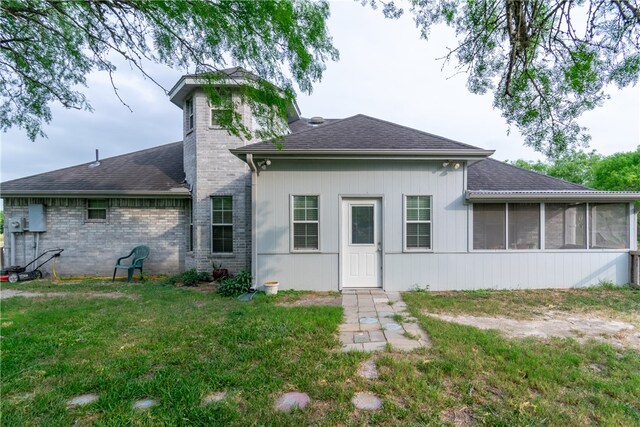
[
  {"x": 450, "y": 266},
  {"x": 505, "y": 270}
]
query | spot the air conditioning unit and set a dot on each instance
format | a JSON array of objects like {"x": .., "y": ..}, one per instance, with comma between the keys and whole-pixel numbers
[{"x": 16, "y": 225}]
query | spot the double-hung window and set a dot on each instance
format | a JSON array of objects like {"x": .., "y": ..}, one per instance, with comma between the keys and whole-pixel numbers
[
  {"x": 97, "y": 210},
  {"x": 222, "y": 224},
  {"x": 305, "y": 223},
  {"x": 222, "y": 111},
  {"x": 417, "y": 225}
]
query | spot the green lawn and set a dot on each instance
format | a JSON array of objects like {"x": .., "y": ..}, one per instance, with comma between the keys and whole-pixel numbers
[{"x": 178, "y": 345}]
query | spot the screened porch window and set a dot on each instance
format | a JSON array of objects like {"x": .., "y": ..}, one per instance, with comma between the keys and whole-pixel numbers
[
  {"x": 418, "y": 222},
  {"x": 524, "y": 225},
  {"x": 609, "y": 226},
  {"x": 489, "y": 226},
  {"x": 222, "y": 224},
  {"x": 305, "y": 223},
  {"x": 565, "y": 226}
]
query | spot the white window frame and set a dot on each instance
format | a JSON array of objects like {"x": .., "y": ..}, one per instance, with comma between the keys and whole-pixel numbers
[
  {"x": 190, "y": 113},
  {"x": 105, "y": 209},
  {"x": 405, "y": 222},
  {"x": 292, "y": 247},
  {"x": 222, "y": 224}
]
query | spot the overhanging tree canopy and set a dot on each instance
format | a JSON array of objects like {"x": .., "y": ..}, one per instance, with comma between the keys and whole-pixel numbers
[
  {"x": 47, "y": 48},
  {"x": 547, "y": 61}
]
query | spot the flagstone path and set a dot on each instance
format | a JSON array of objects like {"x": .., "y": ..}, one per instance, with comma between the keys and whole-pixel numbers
[{"x": 374, "y": 318}]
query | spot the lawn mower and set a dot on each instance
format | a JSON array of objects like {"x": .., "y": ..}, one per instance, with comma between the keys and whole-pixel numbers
[{"x": 17, "y": 273}]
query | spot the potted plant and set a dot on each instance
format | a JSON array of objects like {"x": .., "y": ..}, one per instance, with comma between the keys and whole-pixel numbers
[
  {"x": 219, "y": 272},
  {"x": 271, "y": 288}
]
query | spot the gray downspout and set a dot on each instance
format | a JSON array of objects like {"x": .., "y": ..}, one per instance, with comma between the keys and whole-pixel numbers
[{"x": 254, "y": 220}]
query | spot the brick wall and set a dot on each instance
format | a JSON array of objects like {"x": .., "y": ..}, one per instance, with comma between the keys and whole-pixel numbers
[
  {"x": 212, "y": 170},
  {"x": 91, "y": 248}
]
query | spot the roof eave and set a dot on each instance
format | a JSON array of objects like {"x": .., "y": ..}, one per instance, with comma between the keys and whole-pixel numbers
[
  {"x": 181, "y": 90},
  {"x": 173, "y": 194},
  {"x": 187, "y": 84},
  {"x": 542, "y": 196}
]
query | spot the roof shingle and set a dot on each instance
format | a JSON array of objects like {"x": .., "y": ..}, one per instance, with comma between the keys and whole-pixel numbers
[
  {"x": 359, "y": 132},
  {"x": 154, "y": 170},
  {"x": 493, "y": 175}
]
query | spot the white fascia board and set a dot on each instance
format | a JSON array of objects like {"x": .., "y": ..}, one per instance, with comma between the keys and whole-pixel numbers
[
  {"x": 556, "y": 196},
  {"x": 452, "y": 155},
  {"x": 186, "y": 84}
]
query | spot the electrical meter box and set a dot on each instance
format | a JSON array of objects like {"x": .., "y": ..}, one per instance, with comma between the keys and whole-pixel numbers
[
  {"x": 16, "y": 225},
  {"x": 37, "y": 219}
]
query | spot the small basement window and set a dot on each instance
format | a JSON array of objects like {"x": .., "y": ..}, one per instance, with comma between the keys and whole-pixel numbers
[
  {"x": 222, "y": 224},
  {"x": 97, "y": 210}
]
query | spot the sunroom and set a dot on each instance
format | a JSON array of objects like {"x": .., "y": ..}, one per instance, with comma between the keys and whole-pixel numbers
[{"x": 558, "y": 221}]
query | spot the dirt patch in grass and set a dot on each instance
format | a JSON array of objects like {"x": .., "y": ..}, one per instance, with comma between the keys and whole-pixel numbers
[
  {"x": 203, "y": 287},
  {"x": 309, "y": 299},
  {"x": 459, "y": 417},
  {"x": 555, "y": 324},
  {"x": 11, "y": 293},
  {"x": 622, "y": 303}
]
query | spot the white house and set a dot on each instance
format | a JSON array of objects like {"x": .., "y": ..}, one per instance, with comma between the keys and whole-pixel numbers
[{"x": 355, "y": 202}]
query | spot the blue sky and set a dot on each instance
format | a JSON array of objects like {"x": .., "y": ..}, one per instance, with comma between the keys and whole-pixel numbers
[{"x": 385, "y": 70}]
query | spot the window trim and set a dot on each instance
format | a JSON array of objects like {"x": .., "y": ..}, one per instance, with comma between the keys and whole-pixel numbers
[
  {"x": 222, "y": 225},
  {"x": 190, "y": 113},
  {"x": 405, "y": 222},
  {"x": 96, "y": 220},
  {"x": 292, "y": 248}
]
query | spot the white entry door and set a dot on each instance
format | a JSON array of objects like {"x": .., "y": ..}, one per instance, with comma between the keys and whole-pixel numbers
[{"x": 361, "y": 243}]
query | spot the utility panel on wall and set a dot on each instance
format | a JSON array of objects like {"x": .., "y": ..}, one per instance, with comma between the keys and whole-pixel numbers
[{"x": 37, "y": 219}]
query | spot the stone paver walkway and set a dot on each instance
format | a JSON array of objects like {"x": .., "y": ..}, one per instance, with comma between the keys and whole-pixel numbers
[{"x": 374, "y": 318}]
